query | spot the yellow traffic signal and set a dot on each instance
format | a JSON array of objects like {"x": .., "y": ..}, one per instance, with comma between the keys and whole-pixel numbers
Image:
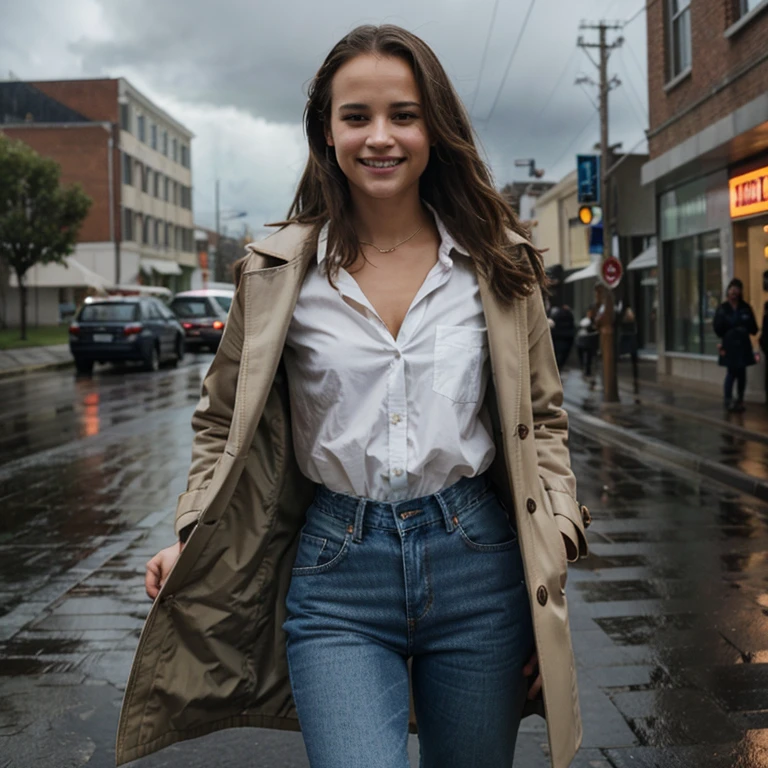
[{"x": 585, "y": 214}]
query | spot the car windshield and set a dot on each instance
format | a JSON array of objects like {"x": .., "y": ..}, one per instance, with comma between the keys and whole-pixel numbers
[
  {"x": 191, "y": 307},
  {"x": 224, "y": 301},
  {"x": 111, "y": 312}
]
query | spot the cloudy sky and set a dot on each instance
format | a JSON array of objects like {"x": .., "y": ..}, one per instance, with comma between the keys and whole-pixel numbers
[{"x": 235, "y": 72}]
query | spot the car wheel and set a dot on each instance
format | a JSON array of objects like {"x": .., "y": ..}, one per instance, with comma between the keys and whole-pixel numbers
[
  {"x": 152, "y": 361},
  {"x": 83, "y": 366}
]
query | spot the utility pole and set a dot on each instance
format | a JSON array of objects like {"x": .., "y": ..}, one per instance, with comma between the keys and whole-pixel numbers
[
  {"x": 216, "y": 267},
  {"x": 606, "y": 319}
]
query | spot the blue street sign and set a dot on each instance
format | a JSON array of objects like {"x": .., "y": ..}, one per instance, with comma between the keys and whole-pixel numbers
[{"x": 588, "y": 170}]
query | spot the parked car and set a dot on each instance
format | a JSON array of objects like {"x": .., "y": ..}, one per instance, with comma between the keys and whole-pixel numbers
[
  {"x": 121, "y": 328},
  {"x": 203, "y": 315}
]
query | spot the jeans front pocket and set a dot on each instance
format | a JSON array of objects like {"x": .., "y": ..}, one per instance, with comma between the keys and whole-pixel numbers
[
  {"x": 486, "y": 527},
  {"x": 460, "y": 354},
  {"x": 323, "y": 544}
]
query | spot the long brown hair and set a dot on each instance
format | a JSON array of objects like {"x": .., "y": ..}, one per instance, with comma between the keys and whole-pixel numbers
[{"x": 456, "y": 182}]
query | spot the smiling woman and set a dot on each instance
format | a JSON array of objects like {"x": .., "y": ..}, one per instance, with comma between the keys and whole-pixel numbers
[{"x": 368, "y": 541}]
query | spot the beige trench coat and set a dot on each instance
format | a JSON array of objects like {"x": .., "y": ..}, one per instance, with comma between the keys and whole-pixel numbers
[{"x": 212, "y": 654}]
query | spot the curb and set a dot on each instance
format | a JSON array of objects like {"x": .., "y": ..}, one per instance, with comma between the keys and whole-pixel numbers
[
  {"x": 587, "y": 425},
  {"x": 24, "y": 369}
]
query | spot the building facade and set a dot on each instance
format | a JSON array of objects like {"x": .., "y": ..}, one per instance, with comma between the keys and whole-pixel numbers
[
  {"x": 708, "y": 167},
  {"x": 134, "y": 161}
]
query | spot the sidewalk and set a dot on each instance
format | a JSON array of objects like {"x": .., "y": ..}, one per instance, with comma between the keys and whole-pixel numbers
[
  {"x": 687, "y": 428},
  {"x": 14, "y": 362}
]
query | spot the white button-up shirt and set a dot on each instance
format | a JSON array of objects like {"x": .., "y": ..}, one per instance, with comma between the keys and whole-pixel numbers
[{"x": 384, "y": 418}]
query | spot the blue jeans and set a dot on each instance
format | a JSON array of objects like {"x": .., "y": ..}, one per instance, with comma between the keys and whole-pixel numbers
[{"x": 438, "y": 580}]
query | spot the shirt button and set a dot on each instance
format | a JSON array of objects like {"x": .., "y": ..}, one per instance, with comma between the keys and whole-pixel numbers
[
  {"x": 397, "y": 472},
  {"x": 396, "y": 419},
  {"x": 522, "y": 431},
  {"x": 397, "y": 354}
]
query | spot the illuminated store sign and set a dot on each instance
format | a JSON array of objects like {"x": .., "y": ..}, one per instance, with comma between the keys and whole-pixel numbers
[{"x": 749, "y": 193}]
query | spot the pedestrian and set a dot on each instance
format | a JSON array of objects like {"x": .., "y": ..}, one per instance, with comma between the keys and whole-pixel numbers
[
  {"x": 587, "y": 342},
  {"x": 626, "y": 336},
  {"x": 354, "y": 518},
  {"x": 764, "y": 342},
  {"x": 563, "y": 333},
  {"x": 734, "y": 323}
]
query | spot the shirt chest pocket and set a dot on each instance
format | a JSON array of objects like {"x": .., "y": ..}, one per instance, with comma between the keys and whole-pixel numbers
[{"x": 460, "y": 354}]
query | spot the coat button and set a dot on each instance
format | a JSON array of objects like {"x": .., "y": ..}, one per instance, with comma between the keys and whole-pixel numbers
[
  {"x": 586, "y": 518},
  {"x": 541, "y": 595},
  {"x": 531, "y": 504},
  {"x": 522, "y": 431}
]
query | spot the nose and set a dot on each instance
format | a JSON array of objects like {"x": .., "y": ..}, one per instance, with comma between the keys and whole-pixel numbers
[{"x": 380, "y": 134}]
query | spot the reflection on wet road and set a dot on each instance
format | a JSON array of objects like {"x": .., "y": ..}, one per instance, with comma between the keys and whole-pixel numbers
[{"x": 669, "y": 615}]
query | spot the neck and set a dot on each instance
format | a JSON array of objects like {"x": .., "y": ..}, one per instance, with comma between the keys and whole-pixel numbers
[{"x": 386, "y": 222}]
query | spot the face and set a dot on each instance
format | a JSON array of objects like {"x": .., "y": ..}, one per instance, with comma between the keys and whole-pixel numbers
[
  {"x": 377, "y": 127},
  {"x": 734, "y": 294}
]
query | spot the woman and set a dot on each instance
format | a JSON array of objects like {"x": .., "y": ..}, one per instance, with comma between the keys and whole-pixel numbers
[
  {"x": 369, "y": 510},
  {"x": 734, "y": 323},
  {"x": 587, "y": 341}
]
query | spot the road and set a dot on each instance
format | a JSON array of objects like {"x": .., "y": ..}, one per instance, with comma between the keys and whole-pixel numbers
[{"x": 668, "y": 614}]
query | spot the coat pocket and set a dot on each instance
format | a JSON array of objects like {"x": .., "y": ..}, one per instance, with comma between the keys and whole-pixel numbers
[{"x": 460, "y": 353}]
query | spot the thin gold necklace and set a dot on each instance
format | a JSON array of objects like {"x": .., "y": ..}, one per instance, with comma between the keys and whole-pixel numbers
[{"x": 394, "y": 247}]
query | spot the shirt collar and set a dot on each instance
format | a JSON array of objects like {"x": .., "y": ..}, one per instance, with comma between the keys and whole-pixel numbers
[{"x": 447, "y": 243}]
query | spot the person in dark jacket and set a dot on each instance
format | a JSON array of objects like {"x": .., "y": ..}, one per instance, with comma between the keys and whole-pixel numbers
[
  {"x": 764, "y": 340},
  {"x": 734, "y": 323},
  {"x": 563, "y": 328}
]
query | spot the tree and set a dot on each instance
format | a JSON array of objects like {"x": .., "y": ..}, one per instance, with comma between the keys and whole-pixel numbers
[{"x": 39, "y": 219}]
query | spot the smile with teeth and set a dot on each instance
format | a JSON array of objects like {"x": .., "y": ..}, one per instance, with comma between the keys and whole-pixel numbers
[{"x": 381, "y": 163}]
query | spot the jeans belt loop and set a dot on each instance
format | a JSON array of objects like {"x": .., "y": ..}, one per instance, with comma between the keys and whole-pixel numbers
[
  {"x": 447, "y": 516},
  {"x": 357, "y": 534}
]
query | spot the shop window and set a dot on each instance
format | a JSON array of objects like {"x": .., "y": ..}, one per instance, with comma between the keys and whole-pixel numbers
[
  {"x": 694, "y": 291},
  {"x": 678, "y": 37}
]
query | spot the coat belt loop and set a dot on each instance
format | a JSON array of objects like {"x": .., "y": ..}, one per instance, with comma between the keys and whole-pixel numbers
[
  {"x": 357, "y": 534},
  {"x": 447, "y": 516}
]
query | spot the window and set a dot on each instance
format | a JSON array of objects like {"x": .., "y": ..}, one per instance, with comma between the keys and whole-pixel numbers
[
  {"x": 128, "y": 224},
  {"x": 125, "y": 117},
  {"x": 158, "y": 181},
  {"x": 165, "y": 143},
  {"x": 127, "y": 169},
  {"x": 153, "y": 136},
  {"x": 679, "y": 37},
  {"x": 157, "y": 232},
  {"x": 141, "y": 124},
  {"x": 175, "y": 199},
  {"x": 745, "y": 6},
  {"x": 145, "y": 178},
  {"x": 167, "y": 188},
  {"x": 167, "y": 234},
  {"x": 186, "y": 197},
  {"x": 110, "y": 312},
  {"x": 694, "y": 289},
  {"x": 185, "y": 155},
  {"x": 175, "y": 150}
]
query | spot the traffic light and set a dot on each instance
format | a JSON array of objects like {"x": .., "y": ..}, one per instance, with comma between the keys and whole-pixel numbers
[{"x": 590, "y": 214}]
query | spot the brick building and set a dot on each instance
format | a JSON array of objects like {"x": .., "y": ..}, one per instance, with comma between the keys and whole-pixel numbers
[
  {"x": 134, "y": 161},
  {"x": 708, "y": 141}
]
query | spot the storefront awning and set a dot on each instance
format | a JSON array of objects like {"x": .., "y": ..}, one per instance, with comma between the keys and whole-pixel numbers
[
  {"x": 648, "y": 259},
  {"x": 583, "y": 274},
  {"x": 162, "y": 266},
  {"x": 89, "y": 277}
]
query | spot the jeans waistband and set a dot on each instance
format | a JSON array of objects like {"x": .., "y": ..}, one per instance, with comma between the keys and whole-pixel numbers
[{"x": 360, "y": 512}]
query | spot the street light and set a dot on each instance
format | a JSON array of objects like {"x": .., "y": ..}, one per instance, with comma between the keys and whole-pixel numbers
[{"x": 533, "y": 171}]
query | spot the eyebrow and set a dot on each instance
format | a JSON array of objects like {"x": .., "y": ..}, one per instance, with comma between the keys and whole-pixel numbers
[{"x": 394, "y": 105}]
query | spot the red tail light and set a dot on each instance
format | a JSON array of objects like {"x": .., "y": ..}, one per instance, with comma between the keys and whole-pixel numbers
[
  {"x": 218, "y": 325},
  {"x": 74, "y": 329},
  {"x": 187, "y": 326},
  {"x": 132, "y": 330}
]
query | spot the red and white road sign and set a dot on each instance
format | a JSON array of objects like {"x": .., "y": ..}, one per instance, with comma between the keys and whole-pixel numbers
[{"x": 611, "y": 271}]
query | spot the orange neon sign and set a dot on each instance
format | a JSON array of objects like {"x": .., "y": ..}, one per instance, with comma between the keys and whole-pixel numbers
[{"x": 749, "y": 193}]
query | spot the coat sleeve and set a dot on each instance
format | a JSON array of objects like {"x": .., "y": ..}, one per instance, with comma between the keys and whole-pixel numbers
[
  {"x": 550, "y": 430},
  {"x": 212, "y": 417},
  {"x": 753, "y": 329}
]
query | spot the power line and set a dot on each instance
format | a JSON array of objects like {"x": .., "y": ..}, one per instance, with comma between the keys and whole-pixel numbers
[
  {"x": 574, "y": 140},
  {"x": 511, "y": 58},
  {"x": 557, "y": 84},
  {"x": 485, "y": 55},
  {"x": 628, "y": 81},
  {"x": 643, "y": 75},
  {"x": 647, "y": 6}
]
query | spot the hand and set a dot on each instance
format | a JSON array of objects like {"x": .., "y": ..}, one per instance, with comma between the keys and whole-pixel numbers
[
  {"x": 531, "y": 667},
  {"x": 159, "y": 567}
]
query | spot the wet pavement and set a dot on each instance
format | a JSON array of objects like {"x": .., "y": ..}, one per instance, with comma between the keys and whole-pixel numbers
[{"x": 669, "y": 615}]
